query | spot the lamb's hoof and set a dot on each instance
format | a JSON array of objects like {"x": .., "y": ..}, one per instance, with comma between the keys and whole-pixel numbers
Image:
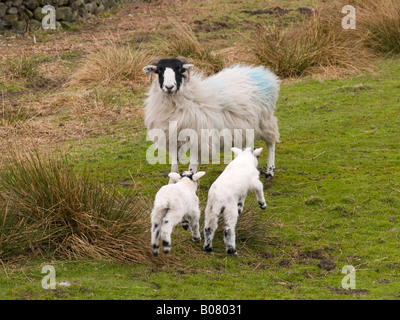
[
  {"x": 155, "y": 253},
  {"x": 207, "y": 249},
  {"x": 263, "y": 205},
  {"x": 166, "y": 250},
  {"x": 185, "y": 225},
  {"x": 231, "y": 251},
  {"x": 196, "y": 239}
]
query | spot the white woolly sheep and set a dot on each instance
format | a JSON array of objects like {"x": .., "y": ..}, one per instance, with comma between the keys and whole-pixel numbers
[
  {"x": 238, "y": 97},
  {"x": 175, "y": 203},
  {"x": 228, "y": 193}
]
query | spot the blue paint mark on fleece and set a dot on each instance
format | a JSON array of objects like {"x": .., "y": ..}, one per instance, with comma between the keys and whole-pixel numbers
[{"x": 263, "y": 79}]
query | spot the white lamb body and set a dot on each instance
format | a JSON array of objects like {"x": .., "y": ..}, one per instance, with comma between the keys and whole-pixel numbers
[
  {"x": 239, "y": 97},
  {"x": 175, "y": 203},
  {"x": 228, "y": 194}
]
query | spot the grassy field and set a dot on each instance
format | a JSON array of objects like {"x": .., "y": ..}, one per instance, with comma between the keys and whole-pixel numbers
[{"x": 334, "y": 200}]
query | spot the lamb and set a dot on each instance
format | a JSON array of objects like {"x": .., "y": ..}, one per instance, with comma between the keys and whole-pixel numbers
[
  {"x": 228, "y": 193},
  {"x": 175, "y": 203},
  {"x": 239, "y": 97}
]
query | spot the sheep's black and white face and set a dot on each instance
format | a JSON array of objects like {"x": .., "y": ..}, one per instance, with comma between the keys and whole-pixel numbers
[{"x": 171, "y": 74}]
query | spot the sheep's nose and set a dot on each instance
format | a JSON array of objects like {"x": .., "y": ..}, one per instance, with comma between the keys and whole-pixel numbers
[{"x": 169, "y": 88}]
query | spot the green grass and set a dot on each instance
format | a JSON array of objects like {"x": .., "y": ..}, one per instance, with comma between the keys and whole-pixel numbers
[{"x": 334, "y": 200}]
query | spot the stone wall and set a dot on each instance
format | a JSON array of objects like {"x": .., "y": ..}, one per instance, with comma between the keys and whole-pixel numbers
[{"x": 26, "y": 15}]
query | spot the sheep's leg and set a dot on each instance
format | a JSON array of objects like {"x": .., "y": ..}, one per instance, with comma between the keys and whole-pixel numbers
[
  {"x": 194, "y": 225},
  {"x": 210, "y": 225},
  {"x": 260, "y": 194},
  {"x": 174, "y": 168},
  {"x": 193, "y": 161},
  {"x": 230, "y": 217},
  {"x": 271, "y": 161},
  {"x": 167, "y": 225},
  {"x": 155, "y": 233},
  {"x": 270, "y": 134}
]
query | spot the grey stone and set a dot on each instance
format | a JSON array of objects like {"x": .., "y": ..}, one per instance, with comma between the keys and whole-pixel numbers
[
  {"x": 13, "y": 10},
  {"x": 23, "y": 16},
  {"x": 29, "y": 13},
  {"x": 19, "y": 26},
  {"x": 37, "y": 13},
  {"x": 64, "y": 13},
  {"x": 31, "y": 4},
  {"x": 82, "y": 12},
  {"x": 89, "y": 7},
  {"x": 34, "y": 25},
  {"x": 16, "y": 3},
  {"x": 100, "y": 9},
  {"x": 3, "y": 9},
  {"x": 8, "y": 19}
]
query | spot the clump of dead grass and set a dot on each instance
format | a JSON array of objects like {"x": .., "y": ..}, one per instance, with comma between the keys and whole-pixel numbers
[
  {"x": 380, "y": 22},
  {"x": 317, "y": 46},
  {"x": 183, "y": 42},
  {"x": 111, "y": 62},
  {"x": 47, "y": 208}
]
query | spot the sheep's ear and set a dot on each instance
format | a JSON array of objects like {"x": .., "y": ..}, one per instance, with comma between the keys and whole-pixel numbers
[
  {"x": 174, "y": 176},
  {"x": 188, "y": 66},
  {"x": 257, "y": 152},
  {"x": 149, "y": 69},
  {"x": 236, "y": 151},
  {"x": 198, "y": 175}
]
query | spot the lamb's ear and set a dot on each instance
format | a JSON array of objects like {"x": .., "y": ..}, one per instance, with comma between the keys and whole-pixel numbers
[
  {"x": 257, "y": 152},
  {"x": 198, "y": 175},
  {"x": 174, "y": 176},
  {"x": 236, "y": 151},
  {"x": 149, "y": 69}
]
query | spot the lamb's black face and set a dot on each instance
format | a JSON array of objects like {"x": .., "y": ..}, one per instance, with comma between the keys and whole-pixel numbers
[{"x": 170, "y": 74}]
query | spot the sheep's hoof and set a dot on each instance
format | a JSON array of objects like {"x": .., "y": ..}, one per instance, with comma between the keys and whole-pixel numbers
[
  {"x": 155, "y": 253},
  {"x": 263, "y": 205},
  {"x": 166, "y": 250},
  {"x": 269, "y": 176},
  {"x": 196, "y": 239},
  {"x": 207, "y": 249},
  {"x": 231, "y": 251}
]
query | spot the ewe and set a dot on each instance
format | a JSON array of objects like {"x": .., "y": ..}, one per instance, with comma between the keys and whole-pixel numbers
[
  {"x": 228, "y": 193},
  {"x": 239, "y": 97},
  {"x": 175, "y": 203}
]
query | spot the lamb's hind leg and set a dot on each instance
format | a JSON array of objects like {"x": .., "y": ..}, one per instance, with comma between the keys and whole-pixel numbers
[
  {"x": 230, "y": 217},
  {"x": 155, "y": 233},
  {"x": 193, "y": 220},
  {"x": 167, "y": 225},
  {"x": 210, "y": 225}
]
